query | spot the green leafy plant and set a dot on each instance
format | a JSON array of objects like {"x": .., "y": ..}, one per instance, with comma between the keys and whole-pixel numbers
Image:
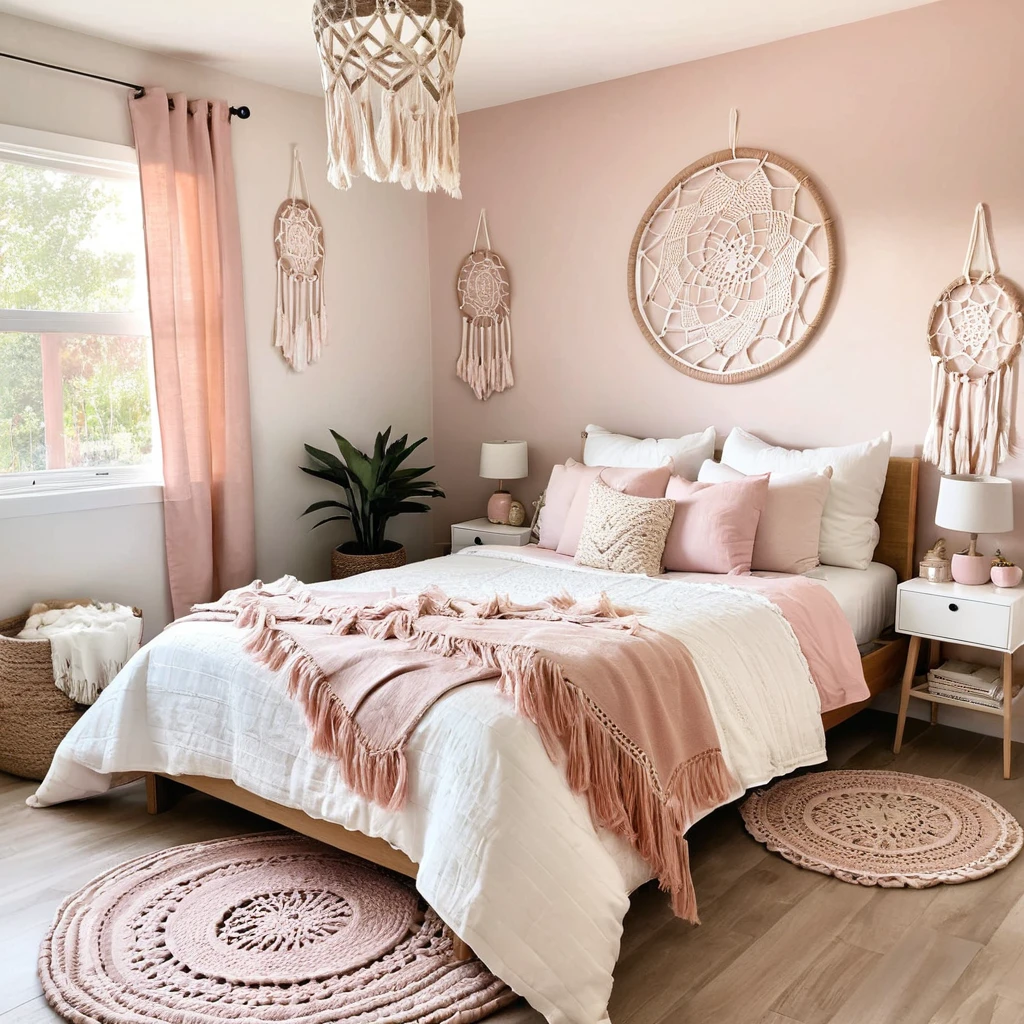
[{"x": 376, "y": 488}]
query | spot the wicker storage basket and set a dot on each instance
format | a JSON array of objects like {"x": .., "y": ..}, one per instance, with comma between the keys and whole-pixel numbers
[
  {"x": 34, "y": 715},
  {"x": 345, "y": 564}
]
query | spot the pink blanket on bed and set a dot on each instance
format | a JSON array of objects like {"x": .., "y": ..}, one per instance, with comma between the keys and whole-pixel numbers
[{"x": 620, "y": 704}]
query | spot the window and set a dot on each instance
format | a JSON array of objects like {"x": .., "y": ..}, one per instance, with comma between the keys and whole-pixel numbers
[{"x": 77, "y": 407}]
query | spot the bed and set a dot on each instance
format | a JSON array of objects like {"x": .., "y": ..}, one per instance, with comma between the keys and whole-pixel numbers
[{"x": 499, "y": 846}]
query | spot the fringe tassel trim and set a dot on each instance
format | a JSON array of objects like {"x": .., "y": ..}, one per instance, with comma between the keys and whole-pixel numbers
[{"x": 622, "y": 790}]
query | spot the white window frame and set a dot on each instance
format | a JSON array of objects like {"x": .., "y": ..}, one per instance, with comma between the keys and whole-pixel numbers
[{"x": 38, "y": 493}]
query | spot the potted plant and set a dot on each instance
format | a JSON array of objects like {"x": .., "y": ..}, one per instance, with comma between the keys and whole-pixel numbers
[{"x": 376, "y": 488}]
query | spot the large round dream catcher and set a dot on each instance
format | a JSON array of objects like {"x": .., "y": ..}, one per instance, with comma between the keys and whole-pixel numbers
[
  {"x": 974, "y": 335},
  {"x": 732, "y": 266}
]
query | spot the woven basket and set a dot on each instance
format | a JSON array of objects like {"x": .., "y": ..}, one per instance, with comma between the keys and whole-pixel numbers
[
  {"x": 345, "y": 563},
  {"x": 34, "y": 715}
]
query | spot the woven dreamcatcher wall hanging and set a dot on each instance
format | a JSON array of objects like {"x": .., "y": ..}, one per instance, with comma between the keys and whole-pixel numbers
[
  {"x": 733, "y": 264},
  {"x": 485, "y": 295},
  {"x": 300, "y": 323},
  {"x": 974, "y": 335},
  {"x": 388, "y": 71}
]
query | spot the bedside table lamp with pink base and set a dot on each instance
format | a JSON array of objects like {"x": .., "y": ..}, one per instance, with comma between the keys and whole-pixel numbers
[
  {"x": 974, "y": 504},
  {"x": 501, "y": 461}
]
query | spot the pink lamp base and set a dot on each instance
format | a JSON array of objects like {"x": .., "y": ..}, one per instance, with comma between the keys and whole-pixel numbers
[
  {"x": 973, "y": 570},
  {"x": 498, "y": 507}
]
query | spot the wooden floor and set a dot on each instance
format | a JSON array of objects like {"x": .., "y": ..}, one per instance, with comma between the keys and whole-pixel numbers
[{"x": 778, "y": 945}]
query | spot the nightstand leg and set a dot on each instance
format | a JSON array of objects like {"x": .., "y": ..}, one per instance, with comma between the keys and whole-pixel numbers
[
  {"x": 1007, "y": 715},
  {"x": 908, "y": 682},
  {"x": 934, "y": 660}
]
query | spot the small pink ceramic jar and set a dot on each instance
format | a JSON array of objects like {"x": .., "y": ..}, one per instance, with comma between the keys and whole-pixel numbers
[{"x": 1006, "y": 575}]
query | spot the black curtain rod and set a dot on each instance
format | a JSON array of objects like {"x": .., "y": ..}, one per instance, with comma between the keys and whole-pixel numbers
[{"x": 242, "y": 113}]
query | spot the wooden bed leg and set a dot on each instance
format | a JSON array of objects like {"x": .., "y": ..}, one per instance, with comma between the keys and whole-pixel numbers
[
  {"x": 161, "y": 793},
  {"x": 460, "y": 949}
]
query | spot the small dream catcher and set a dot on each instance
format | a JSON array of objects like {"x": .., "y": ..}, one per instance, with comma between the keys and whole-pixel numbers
[
  {"x": 974, "y": 335},
  {"x": 300, "y": 323},
  {"x": 732, "y": 266},
  {"x": 484, "y": 295}
]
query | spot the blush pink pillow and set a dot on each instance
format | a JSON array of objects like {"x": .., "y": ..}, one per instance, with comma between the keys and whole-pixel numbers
[
  {"x": 640, "y": 483},
  {"x": 715, "y": 524},
  {"x": 558, "y": 497},
  {"x": 790, "y": 525}
]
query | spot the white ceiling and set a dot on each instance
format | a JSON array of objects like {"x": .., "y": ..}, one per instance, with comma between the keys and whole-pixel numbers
[{"x": 513, "y": 48}]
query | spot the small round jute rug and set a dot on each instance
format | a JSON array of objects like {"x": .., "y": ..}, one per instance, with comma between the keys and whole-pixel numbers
[
  {"x": 270, "y": 927},
  {"x": 884, "y": 828}
]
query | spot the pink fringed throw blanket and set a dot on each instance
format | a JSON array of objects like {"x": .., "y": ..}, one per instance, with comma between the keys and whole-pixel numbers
[{"x": 620, "y": 704}]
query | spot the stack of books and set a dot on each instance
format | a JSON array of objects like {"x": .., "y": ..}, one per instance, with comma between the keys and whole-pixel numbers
[{"x": 961, "y": 681}]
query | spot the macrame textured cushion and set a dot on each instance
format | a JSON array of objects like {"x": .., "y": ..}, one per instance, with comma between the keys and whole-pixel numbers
[
  {"x": 884, "y": 828},
  {"x": 271, "y": 927},
  {"x": 624, "y": 533}
]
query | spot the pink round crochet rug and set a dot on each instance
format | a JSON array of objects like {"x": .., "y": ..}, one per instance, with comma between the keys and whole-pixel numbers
[
  {"x": 884, "y": 828},
  {"x": 270, "y": 927}
]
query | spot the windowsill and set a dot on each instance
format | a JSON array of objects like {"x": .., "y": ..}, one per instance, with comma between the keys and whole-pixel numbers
[{"x": 21, "y": 504}]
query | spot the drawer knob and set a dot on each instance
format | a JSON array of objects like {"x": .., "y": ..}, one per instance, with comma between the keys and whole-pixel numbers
[
  {"x": 954, "y": 607},
  {"x": 477, "y": 540}
]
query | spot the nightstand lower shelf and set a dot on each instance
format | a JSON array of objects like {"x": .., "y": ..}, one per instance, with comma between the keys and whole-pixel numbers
[{"x": 921, "y": 693}]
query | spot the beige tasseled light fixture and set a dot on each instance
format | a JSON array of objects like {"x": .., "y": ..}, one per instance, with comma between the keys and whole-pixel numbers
[{"x": 388, "y": 69}]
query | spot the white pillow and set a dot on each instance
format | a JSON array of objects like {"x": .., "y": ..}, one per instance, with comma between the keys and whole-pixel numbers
[
  {"x": 849, "y": 533},
  {"x": 686, "y": 453}
]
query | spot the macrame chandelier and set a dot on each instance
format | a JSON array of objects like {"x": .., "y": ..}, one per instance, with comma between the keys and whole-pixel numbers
[{"x": 388, "y": 70}]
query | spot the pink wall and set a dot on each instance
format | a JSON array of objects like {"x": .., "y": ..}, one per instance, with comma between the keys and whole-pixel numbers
[{"x": 905, "y": 121}]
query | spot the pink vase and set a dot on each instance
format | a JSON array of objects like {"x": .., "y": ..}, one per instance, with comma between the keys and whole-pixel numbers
[{"x": 1006, "y": 575}]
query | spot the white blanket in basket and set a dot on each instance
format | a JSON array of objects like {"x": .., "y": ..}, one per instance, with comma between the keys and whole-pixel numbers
[{"x": 89, "y": 644}]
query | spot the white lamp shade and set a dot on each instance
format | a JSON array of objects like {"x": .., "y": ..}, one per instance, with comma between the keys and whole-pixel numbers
[
  {"x": 504, "y": 460},
  {"x": 975, "y": 504}
]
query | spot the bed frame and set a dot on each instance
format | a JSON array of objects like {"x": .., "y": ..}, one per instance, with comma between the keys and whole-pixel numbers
[{"x": 883, "y": 667}]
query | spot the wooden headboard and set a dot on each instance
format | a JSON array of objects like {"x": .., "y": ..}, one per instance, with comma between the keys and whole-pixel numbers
[{"x": 897, "y": 517}]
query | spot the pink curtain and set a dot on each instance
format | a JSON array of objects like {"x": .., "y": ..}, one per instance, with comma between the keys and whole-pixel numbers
[{"x": 193, "y": 251}]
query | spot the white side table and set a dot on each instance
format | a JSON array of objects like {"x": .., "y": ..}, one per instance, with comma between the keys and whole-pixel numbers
[
  {"x": 477, "y": 532},
  {"x": 988, "y": 616}
]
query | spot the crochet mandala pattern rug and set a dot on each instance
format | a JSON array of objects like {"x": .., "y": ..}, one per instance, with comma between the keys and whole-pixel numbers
[
  {"x": 268, "y": 927},
  {"x": 884, "y": 828}
]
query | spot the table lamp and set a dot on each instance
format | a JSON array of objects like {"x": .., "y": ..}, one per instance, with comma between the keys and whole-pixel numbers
[
  {"x": 501, "y": 461},
  {"x": 974, "y": 504}
]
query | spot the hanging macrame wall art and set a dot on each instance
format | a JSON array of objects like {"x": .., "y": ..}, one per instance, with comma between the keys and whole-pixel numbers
[
  {"x": 974, "y": 335},
  {"x": 733, "y": 264},
  {"x": 485, "y": 295},
  {"x": 388, "y": 71},
  {"x": 300, "y": 322}
]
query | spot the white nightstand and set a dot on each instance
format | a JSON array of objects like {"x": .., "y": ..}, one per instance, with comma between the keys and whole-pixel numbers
[
  {"x": 482, "y": 531},
  {"x": 987, "y": 616}
]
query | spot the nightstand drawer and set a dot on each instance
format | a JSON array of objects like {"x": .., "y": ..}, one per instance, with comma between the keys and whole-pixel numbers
[
  {"x": 952, "y": 618},
  {"x": 479, "y": 532}
]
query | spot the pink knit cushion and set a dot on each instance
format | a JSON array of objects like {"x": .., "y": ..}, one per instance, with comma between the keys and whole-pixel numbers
[
  {"x": 790, "y": 525},
  {"x": 641, "y": 483},
  {"x": 715, "y": 524}
]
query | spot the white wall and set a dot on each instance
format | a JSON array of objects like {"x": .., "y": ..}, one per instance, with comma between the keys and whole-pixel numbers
[{"x": 375, "y": 372}]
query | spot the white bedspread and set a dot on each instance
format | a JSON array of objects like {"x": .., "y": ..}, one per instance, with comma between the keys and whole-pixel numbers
[{"x": 507, "y": 855}]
